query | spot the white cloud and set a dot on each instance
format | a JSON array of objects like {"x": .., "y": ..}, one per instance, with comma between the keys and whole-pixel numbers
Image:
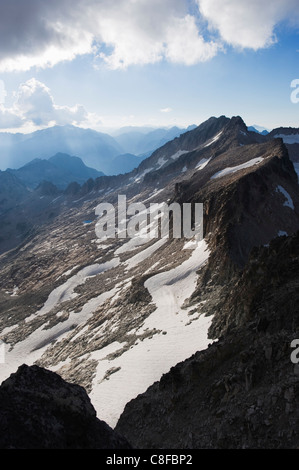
[
  {"x": 38, "y": 33},
  {"x": 248, "y": 24},
  {"x": 166, "y": 110},
  {"x": 146, "y": 32},
  {"x": 185, "y": 45},
  {"x": 2, "y": 92},
  {"x": 34, "y": 107},
  {"x": 121, "y": 33},
  {"x": 35, "y": 103},
  {"x": 9, "y": 119}
]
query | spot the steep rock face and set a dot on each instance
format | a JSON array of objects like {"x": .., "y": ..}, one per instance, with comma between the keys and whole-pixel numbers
[
  {"x": 242, "y": 391},
  {"x": 290, "y": 136},
  {"x": 39, "y": 410},
  {"x": 246, "y": 208}
]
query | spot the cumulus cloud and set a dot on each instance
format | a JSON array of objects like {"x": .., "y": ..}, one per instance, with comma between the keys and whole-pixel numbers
[
  {"x": 35, "y": 103},
  {"x": 248, "y": 24},
  {"x": 35, "y": 106},
  {"x": 39, "y": 33},
  {"x": 9, "y": 119},
  {"x": 166, "y": 110},
  {"x": 121, "y": 33},
  {"x": 185, "y": 45}
]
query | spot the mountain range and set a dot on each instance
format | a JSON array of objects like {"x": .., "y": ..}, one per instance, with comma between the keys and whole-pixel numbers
[
  {"x": 144, "y": 141},
  {"x": 179, "y": 343},
  {"x": 97, "y": 150}
]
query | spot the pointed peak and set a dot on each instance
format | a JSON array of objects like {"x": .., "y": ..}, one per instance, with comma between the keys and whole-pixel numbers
[{"x": 238, "y": 121}]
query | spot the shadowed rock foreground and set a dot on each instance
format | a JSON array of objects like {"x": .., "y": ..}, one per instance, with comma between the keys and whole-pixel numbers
[{"x": 39, "y": 410}]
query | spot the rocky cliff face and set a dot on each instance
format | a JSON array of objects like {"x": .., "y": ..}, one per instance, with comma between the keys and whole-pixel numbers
[
  {"x": 242, "y": 391},
  {"x": 290, "y": 137},
  {"x": 39, "y": 410}
]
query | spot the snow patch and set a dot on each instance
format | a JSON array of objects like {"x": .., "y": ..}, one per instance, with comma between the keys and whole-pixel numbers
[
  {"x": 142, "y": 175},
  {"x": 66, "y": 292},
  {"x": 179, "y": 154},
  {"x": 289, "y": 200},
  {"x": 155, "y": 193},
  {"x": 131, "y": 245},
  {"x": 143, "y": 255},
  {"x": 202, "y": 164},
  {"x": 234, "y": 169},
  {"x": 161, "y": 162},
  {"x": 15, "y": 292},
  {"x": 214, "y": 139},
  {"x": 33, "y": 347}
]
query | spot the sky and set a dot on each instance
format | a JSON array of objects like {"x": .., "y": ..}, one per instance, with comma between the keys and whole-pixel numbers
[{"x": 105, "y": 64}]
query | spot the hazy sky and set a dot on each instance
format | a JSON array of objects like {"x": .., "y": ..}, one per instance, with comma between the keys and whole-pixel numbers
[{"x": 104, "y": 63}]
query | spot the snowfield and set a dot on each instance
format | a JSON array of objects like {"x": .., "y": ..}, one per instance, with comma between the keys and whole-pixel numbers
[
  {"x": 66, "y": 291},
  {"x": 145, "y": 363},
  {"x": 33, "y": 347},
  {"x": 177, "y": 332}
]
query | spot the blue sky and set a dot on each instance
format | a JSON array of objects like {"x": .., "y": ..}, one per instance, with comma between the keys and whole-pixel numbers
[{"x": 104, "y": 65}]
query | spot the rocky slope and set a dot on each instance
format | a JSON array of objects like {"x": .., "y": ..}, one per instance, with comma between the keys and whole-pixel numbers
[
  {"x": 115, "y": 315},
  {"x": 242, "y": 391},
  {"x": 39, "y": 410}
]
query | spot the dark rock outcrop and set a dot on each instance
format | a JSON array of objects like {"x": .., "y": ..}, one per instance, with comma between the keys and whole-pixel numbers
[
  {"x": 39, "y": 410},
  {"x": 242, "y": 391}
]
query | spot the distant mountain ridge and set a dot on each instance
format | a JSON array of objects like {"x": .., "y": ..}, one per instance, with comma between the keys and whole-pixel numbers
[
  {"x": 139, "y": 142},
  {"x": 61, "y": 170},
  {"x": 258, "y": 129},
  {"x": 96, "y": 149}
]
